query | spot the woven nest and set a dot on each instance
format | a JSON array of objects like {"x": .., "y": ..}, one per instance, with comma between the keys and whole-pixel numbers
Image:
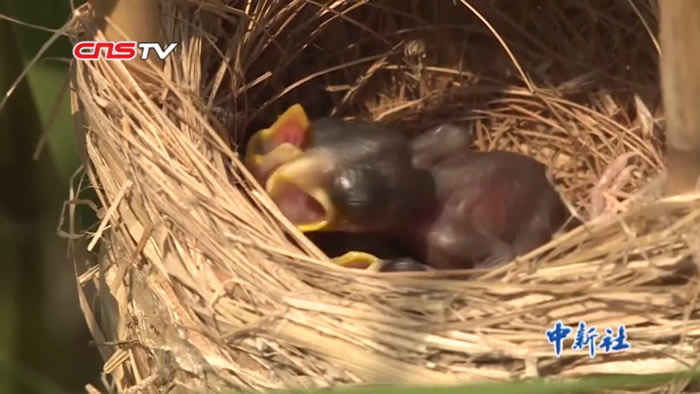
[{"x": 202, "y": 283}]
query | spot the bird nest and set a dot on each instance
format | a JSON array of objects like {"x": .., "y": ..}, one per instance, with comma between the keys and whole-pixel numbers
[{"x": 202, "y": 283}]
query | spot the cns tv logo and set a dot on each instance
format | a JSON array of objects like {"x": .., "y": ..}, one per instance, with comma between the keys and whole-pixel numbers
[{"x": 120, "y": 50}]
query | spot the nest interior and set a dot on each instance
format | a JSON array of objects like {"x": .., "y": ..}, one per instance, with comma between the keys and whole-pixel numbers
[{"x": 201, "y": 283}]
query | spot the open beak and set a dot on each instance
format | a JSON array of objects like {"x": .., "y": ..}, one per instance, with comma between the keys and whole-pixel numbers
[
  {"x": 262, "y": 166},
  {"x": 291, "y": 129},
  {"x": 297, "y": 188}
]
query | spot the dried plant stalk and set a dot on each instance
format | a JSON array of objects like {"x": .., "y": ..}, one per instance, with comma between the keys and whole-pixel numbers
[
  {"x": 680, "y": 43},
  {"x": 131, "y": 20}
]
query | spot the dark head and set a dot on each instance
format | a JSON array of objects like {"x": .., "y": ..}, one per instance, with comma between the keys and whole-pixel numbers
[
  {"x": 361, "y": 179},
  {"x": 357, "y": 191},
  {"x": 381, "y": 196}
]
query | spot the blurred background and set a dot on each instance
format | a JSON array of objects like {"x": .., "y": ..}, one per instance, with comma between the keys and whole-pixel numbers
[{"x": 44, "y": 342}]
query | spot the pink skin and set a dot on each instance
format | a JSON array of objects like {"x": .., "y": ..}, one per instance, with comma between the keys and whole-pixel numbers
[
  {"x": 298, "y": 206},
  {"x": 494, "y": 206},
  {"x": 482, "y": 229}
]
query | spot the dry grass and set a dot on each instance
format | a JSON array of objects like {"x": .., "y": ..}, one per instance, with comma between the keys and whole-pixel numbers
[{"x": 203, "y": 284}]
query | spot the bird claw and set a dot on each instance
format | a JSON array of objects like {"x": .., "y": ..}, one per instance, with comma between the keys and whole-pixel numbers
[
  {"x": 370, "y": 262},
  {"x": 359, "y": 260}
]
